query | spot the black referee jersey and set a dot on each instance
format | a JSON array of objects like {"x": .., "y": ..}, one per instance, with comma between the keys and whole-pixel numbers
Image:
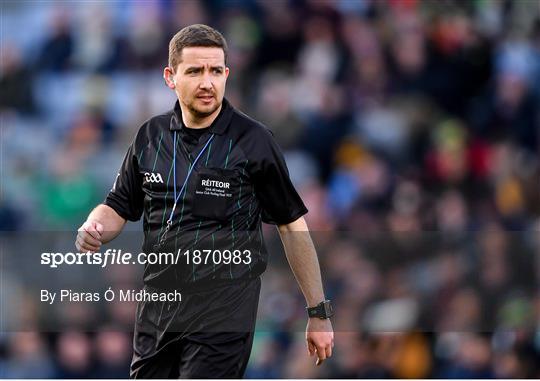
[{"x": 239, "y": 181}]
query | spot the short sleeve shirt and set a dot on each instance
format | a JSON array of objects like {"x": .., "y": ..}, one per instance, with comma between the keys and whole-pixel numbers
[{"x": 239, "y": 181}]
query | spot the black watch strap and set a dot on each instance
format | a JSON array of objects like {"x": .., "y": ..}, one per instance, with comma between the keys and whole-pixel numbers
[{"x": 323, "y": 310}]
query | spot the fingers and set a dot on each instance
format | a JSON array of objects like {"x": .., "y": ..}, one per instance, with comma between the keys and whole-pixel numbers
[
  {"x": 311, "y": 348},
  {"x": 89, "y": 240},
  {"x": 99, "y": 228},
  {"x": 328, "y": 351},
  {"x": 84, "y": 246},
  {"x": 89, "y": 236},
  {"x": 321, "y": 354},
  {"x": 321, "y": 344},
  {"x": 93, "y": 228}
]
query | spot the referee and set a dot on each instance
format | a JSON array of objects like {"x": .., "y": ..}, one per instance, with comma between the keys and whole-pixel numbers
[{"x": 204, "y": 176}]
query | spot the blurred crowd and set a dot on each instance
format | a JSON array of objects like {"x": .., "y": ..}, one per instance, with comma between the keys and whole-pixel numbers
[{"x": 411, "y": 129}]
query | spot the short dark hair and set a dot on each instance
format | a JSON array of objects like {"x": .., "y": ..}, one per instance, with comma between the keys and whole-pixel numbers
[{"x": 195, "y": 35}]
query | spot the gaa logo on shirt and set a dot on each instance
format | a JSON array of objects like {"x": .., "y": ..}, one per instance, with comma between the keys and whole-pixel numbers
[{"x": 153, "y": 177}]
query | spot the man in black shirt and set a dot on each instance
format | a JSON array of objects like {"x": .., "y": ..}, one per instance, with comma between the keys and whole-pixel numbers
[{"x": 205, "y": 176}]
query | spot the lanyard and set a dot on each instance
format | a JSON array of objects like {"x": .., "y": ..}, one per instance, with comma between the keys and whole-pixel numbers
[{"x": 182, "y": 189}]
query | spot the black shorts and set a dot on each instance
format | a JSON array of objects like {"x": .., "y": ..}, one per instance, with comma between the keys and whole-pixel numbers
[{"x": 209, "y": 334}]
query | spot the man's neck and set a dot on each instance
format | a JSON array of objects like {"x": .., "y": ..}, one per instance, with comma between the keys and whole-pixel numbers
[{"x": 191, "y": 121}]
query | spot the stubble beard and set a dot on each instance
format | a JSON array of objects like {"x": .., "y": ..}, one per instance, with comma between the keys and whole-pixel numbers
[{"x": 200, "y": 113}]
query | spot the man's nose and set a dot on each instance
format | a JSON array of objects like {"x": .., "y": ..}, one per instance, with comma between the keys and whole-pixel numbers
[{"x": 206, "y": 82}]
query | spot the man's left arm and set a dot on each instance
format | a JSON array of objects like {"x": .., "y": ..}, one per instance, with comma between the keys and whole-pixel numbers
[{"x": 302, "y": 258}]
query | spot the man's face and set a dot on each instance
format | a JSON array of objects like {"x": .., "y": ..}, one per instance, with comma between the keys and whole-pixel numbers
[{"x": 200, "y": 80}]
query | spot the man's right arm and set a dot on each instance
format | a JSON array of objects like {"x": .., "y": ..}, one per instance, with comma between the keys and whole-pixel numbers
[
  {"x": 102, "y": 225},
  {"x": 125, "y": 201}
]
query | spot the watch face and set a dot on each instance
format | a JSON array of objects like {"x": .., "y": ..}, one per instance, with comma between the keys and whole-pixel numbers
[
  {"x": 323, "y": 310},
  {"x": 327, "y": 309}
]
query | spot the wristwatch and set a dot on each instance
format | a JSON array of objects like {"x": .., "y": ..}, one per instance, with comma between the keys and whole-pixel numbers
[{"x": 323, "y": 310}]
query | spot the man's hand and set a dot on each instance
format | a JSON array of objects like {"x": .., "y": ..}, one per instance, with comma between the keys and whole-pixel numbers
[
  {"x": 89, "y": 236},
  {"x": 320, "y": 338}
]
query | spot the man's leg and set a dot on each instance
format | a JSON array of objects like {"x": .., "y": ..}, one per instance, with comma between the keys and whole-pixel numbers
[
  {"x": 221, "y": 353},
  {"x": 215, "y": 355},
  {"x": 163, "y": 364},
  {"x": 155, "y": 352}
]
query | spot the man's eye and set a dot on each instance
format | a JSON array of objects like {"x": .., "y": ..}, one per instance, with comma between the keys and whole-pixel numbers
[{"x": 218, "y": 71}]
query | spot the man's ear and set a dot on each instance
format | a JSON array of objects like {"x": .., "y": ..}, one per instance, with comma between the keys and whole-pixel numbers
[
  {"x": 168, "y": 76},
  {"x": 226, "y": 72}
]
